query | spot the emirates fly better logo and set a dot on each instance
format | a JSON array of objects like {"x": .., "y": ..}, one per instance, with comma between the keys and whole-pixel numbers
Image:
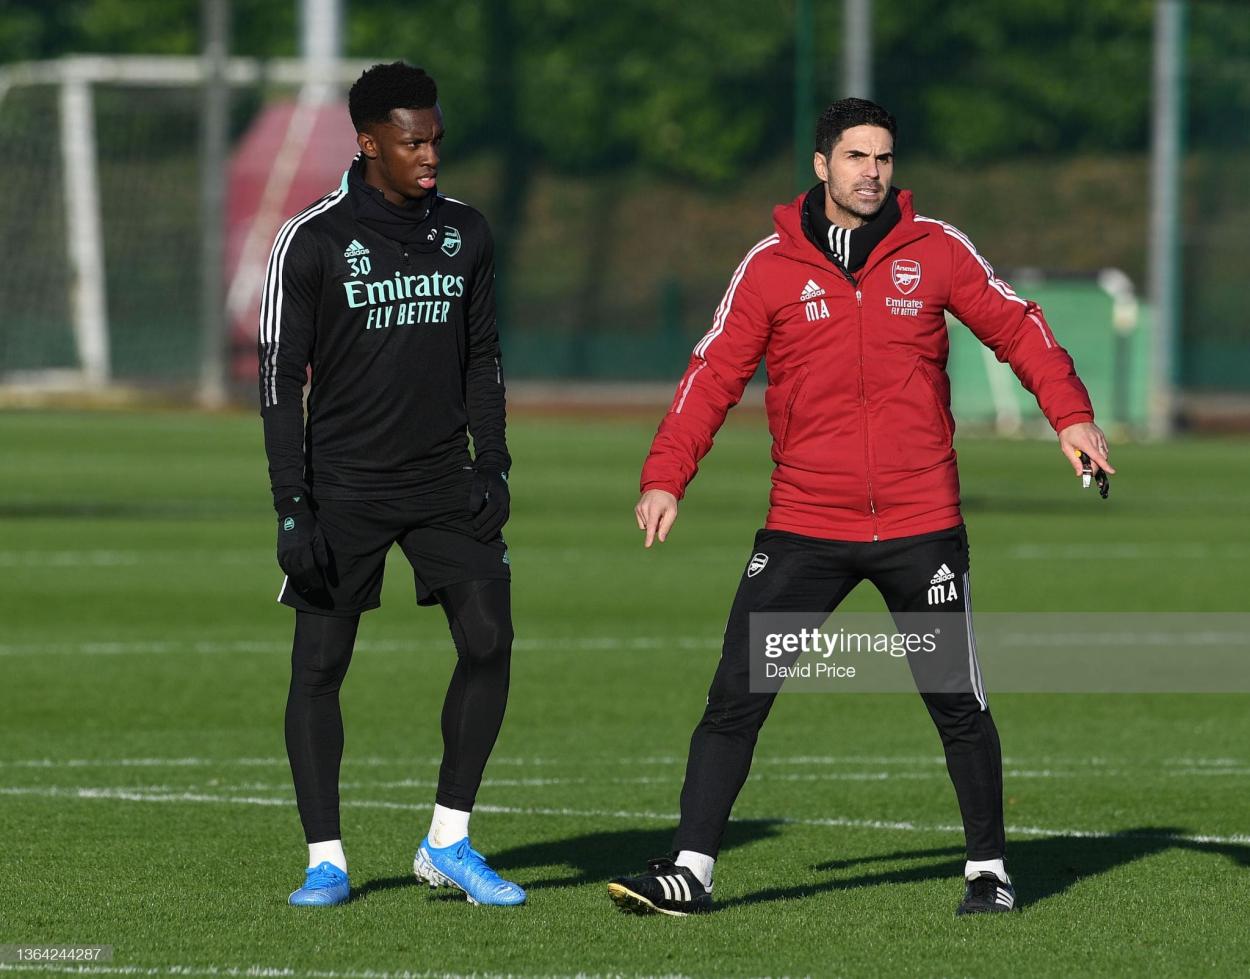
[{"x": 906, "y": 275}]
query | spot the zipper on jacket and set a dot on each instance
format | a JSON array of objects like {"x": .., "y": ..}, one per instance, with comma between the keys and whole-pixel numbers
[{"x": 863, "y": 403}]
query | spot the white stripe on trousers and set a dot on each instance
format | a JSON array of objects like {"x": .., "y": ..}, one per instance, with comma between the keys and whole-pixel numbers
[{"x": 974, "y": 665}]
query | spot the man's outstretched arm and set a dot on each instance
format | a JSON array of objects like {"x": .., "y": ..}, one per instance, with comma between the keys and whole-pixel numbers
[
  {"x": 722, "y": 363},
  {"x": 1016, "y": 330}
]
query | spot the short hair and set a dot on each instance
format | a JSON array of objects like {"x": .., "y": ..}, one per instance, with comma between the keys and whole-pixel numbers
[
  {"x": 846, "y": 114},
  {"x": 385, "y": 87}
]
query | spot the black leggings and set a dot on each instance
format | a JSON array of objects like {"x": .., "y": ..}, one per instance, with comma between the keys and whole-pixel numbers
[
  {"x": 479, "y": 614},
  {"x": 806, "y": 575}
]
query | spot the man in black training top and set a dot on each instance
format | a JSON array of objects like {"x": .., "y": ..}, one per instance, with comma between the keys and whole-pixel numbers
[{"x": 386, "y": 289}]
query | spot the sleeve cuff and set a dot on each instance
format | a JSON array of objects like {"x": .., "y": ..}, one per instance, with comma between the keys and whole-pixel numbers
[
  {"x": 667, "y": 487},
  {"x": 1072, "y": 418}
]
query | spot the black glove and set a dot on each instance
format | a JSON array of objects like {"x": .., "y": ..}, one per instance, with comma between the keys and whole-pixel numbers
[
  {"x": 488, "y": 502},
  {"x": 301, "y": 548}
]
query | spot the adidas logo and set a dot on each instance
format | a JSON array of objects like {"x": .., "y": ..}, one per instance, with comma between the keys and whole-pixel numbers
[
  {"x": 355, "y": 250},
  {"x": 942, "y": 587},
  {"x": 810, "y": 291}
]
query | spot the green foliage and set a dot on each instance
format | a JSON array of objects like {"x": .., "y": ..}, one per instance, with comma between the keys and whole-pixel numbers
[
  {"x": 690, "y": 91},
  {"x": 36, "y": 29},
  {"x": 669, "y": 87},
  {"x": 604, "y": 88},
  {"x": 1218, "y": 103},
  {"x": 985, "y": 79},
  {"x": 141, "y": 26},
  {"x": 32, "y": 29}
]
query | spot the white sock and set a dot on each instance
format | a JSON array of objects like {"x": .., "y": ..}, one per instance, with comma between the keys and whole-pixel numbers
[
  {"x": 974, "y": 867},
  {"x": 331, "y": 851},
  {"x": 699, "y": 864},
  {"x": 448, "y": 826}
]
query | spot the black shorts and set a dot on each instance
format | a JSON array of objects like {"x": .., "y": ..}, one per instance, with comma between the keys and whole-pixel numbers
[{"x": 434, "y": 529}]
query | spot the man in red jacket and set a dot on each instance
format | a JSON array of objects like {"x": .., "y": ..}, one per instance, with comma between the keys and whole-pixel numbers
[{"x": 847, "y": 301}]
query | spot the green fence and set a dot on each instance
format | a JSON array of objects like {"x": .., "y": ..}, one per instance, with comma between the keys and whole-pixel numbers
[{"x": 1115, "y": 368}]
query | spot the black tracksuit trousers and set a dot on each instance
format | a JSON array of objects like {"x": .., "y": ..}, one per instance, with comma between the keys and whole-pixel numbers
[{"x": 810, "y": 575}]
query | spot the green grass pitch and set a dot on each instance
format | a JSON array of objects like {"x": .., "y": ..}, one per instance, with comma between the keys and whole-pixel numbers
[{"x": 146, "y": 804}]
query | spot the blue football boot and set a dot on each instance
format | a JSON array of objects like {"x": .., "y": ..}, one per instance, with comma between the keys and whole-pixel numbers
[
  {"x": 459, "y": 865},
  {"x": 324, "y": 885}
]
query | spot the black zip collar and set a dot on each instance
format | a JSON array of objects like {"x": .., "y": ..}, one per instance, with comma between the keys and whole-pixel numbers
[
  {"x": 847, "y": 249},
  {"x": 417, "y": 227}
]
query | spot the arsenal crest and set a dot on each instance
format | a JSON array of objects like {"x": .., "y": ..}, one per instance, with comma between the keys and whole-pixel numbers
[
  {"x": 906, "y": 275},
  {"x": 451, "y": 241}
]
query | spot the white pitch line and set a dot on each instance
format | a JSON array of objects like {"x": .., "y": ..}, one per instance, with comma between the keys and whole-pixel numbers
[
  {"x": 141, "y": 762},
  {"x": 1103, "y": 550},
  {"x": 843, "y": 822},
  {"x": 124, "y": 559},
  {"x": 379, "y": 762},
  {"x": 1099, "y": 766},
  {"x": 432, "y": 783},
  {"x": 673, "y": 780},
  {"x": 279, "y": 762},
  {"x": 159, "y": 647},
  {"x": 268, "y": 972},
  {"x": 1128, "y": 551}
]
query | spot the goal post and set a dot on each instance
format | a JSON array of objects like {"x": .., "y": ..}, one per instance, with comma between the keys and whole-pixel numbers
[
  {"x": 103, "y": 227},
  {"x": 85, "y": 243}
]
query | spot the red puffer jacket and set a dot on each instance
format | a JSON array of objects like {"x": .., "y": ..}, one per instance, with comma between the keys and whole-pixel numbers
[{"x": 858, "y": 398}]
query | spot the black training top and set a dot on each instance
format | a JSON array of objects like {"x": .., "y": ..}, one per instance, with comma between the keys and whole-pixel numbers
[{"x": 402, "y": 343}]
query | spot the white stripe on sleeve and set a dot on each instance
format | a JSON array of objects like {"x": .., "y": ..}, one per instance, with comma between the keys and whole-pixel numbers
[
  {"x": 686, "y": 390},
  {"x": 271, "y": 299},
  {"x": 726, "y": 303},
  {"x": 999, "y": 285}
]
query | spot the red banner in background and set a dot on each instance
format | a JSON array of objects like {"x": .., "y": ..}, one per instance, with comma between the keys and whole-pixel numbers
[{"x": 293, "y": 153}]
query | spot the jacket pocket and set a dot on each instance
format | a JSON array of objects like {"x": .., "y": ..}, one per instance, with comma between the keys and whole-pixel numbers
[
  {"x": 783, "y": 427},
  {"x": 940, "y": 402}
]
